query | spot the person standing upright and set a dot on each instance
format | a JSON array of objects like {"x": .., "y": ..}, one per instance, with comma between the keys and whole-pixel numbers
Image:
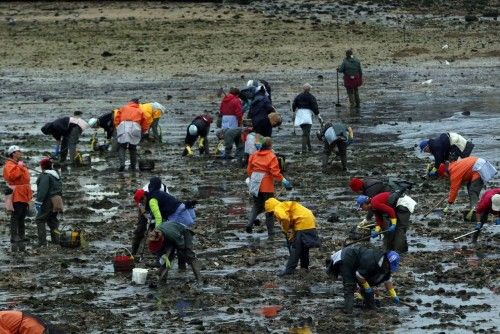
[
  {"x": 130, "y": 124},
  {"x": 17, "y": 177},
  {"x": 353, "y": 77},
  {"x": 303, "y": 106}
]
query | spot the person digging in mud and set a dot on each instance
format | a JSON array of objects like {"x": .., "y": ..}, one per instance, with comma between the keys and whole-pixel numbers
[
  {"x": 303, "y": 106},
  {"x": 153, "y": 112},
  {"x": 335, "y": 135},
  {"x": 106, "y": 122},
  {"x": 20, "y": 322},
  {"x": 17, "y": 196},
  {"x": 48, "y": 202},
  {"x": 67, "y": 131},
  {"x": 199, "y": 128},
  {"x": 231, "y": 137},
  {"x": 263, "y": 169},
  {"x": 130, "y": 124},
  {"x": 447, "y": 147},
  {"x": 366, "y": 267},
  {"x": 353, "y": 77},
  {"x": 164, "y": 207},
  {"x": 392, "y": 212},
  {"x": 474, "y": 172},
  {"x": 170, "y": 237},
  {"x": 371, "y": 186},
  {"x": 488, "y": 204},
  {"x": 230, "y": 111},
  {"x": 299, "y": 226}
]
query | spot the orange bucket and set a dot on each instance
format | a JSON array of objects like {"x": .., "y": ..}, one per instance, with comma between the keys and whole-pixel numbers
[{"x": 270, "y": 311}]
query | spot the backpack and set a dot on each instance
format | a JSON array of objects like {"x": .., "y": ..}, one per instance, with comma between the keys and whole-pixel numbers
[{"x": 399, "y": 185}]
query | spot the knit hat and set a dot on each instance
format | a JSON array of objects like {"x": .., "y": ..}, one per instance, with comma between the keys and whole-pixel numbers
[
  {"x": 495, "y": 202},
  {"x": 155, "y": 241},
  {"x": 423, "y": 144},
  {"x": 270, "y": 204},
  {"x": 154, "y": 183},
  {"x": 356, "y": 184},
  {"x": 139, "y": 195},
  {"x": 46, "y": 163}
]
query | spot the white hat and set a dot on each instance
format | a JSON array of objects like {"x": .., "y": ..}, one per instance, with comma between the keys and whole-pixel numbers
[
  {"x": 93, "y": 122},
  {"x": 157, "y": 106},
  {"x": 495, "y": 202},
  {"x": 12, "y": 149},
  {"x": 193, "y": 130}
]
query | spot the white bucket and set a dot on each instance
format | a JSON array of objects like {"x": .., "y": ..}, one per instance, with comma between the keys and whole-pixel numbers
[{"x": 139, "y": 275}]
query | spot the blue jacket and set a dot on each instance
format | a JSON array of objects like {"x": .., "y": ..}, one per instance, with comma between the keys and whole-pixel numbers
[{"x": 440, "y": 149}]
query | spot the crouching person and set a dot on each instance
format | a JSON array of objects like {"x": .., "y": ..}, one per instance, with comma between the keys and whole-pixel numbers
[
  {"x": 299, "y": 226},
  {"x": 365, "y": 267},
  {"x": 48, "y": 202},
  {"x": 172, "y": 237}
]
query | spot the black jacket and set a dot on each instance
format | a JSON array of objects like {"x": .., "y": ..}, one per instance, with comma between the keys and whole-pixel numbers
[
  {"x": 167, "y": 203},
  {"x": 374, "y": 187},
  {"x": 440, "y": 149},
  {"x": 58, "y": 128},
  {"x": 366, "y": 262},
  {"x": 263, "y": 127},
  {"x": 307, "y": 101},
  {"x": 260, "y": 108},
  {"x": 106, "y": 122}
]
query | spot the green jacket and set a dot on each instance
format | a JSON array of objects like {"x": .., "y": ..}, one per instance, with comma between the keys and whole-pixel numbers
[
  {"x": 350, "y": 66},
  {"x": 48, "y": 184},
  {"x": 174, "y": 233}
]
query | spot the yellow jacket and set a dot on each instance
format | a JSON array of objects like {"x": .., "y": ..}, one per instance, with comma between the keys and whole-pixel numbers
[
  {"x": 291, "y": 215},
  {"x": 150, "y": 112}
]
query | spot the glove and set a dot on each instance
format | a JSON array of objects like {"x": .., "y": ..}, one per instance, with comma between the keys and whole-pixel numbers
[
  {"x": 363, "y": 223},
  {"x": 57, "y": 150},
  {"x": 497, "y": 222},
  {"x": 258, "y": 146},
  {"x": 164, "y": 260},
  {"x": 396, "y": 300},
  {"x": 20, "y": 164},
  {"x": 392, "y": 228},
  {"x": 446, "y": 208},
  {"x": 369, "y": 291},
  {"x": 478, "y": 227},
  {"x": 470, "y": 214},
  {"x": 432, "y": 172},
  {"x": 286, "y": 184},
  {"x": 38, "y": 207},
  {"x": 374, "y": 234}
]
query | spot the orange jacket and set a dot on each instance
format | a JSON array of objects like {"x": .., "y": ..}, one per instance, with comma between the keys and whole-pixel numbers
[
  {"x": 19, "y": 177},
  {"x": 131, "y": 112},
  {"x": 265, "y": 161},
  {"x": 461, "y": 172},
  {"x": 14, "y": 322}
]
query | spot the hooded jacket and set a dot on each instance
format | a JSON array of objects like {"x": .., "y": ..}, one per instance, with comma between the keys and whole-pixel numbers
[
  {"x": 131, "y": 112},
  {"x": 291, "y": 215},
  {"x": 231, "y": 107},
  {"x": 440, "y": 149},
  {"x": 265, "y": 161},
  {"x": 48, "y": 184},
  {"x": 150, "y": 112},
  {"x": 484, "y": 204},
  {"x": 365, "y": 262},
  {"x": 159, "y": 203},
  {"x": 18, "y": 177},
  {"x": 461, "y": 172}
]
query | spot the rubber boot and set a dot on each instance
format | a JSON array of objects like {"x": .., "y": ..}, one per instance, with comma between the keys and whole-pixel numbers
[
  {"x": 352, "y": 102},
  {"x": 42, "y": 234},
  {"x": 121, "y": 157},
  {"x": 356, "y": 98},
  {"x": 133, "y": 158},
  {"x": 195, "y": 266},
  {"x": 270, "y": 227},
  {"x": 343, "y": 160},
  {"x": 187, "y": 151},
  {"x": 349, "y": 297},
  {"x": 304, "y": 144}
]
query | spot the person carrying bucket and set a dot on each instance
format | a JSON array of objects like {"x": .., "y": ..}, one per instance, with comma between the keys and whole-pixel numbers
[
  {"x": 488, "y": 204},
  {"x": 48, "y": 202},
  {"x": 299, "y": 226},
  {"x": 17, "y": 196},
  {"x": 474, "y": 172},
  {"x": 447, "y": 147},
  {"x": 303, "y": 106},
  {"x": 392, "y": 212},
  {"x": 199, "y": 128},
  {"x": 365, "y": 267},
  {"x": 335, "y": 135},
  {"x": 263, "y": 169}
]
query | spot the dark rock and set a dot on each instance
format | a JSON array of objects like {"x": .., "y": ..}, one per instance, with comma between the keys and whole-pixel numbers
[
  {"x": 471, "y": 18},
  {"x": 107, "y": 54}
]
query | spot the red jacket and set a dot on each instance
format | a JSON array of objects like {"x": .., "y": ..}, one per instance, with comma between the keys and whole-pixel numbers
[
  {"x": 265, "y": 161},
  {"x": 460, "y": 172},
  {"x": 231, "y": 105},
  {"x": 131, "y": 112},
  {"x": 484, "y": 205},
  {"x": 381, "y": 207},
  {"x": 14, "y": 322},
  {"x": 19, "y": 177}
]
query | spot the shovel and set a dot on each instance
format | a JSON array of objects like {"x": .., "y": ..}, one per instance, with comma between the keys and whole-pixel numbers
[
  {"x": 434, "y": 207},
  {"x": 338, "y": 92},
  {"x": 468, "y": 233},
  {"x": 362, "y": 239}
]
